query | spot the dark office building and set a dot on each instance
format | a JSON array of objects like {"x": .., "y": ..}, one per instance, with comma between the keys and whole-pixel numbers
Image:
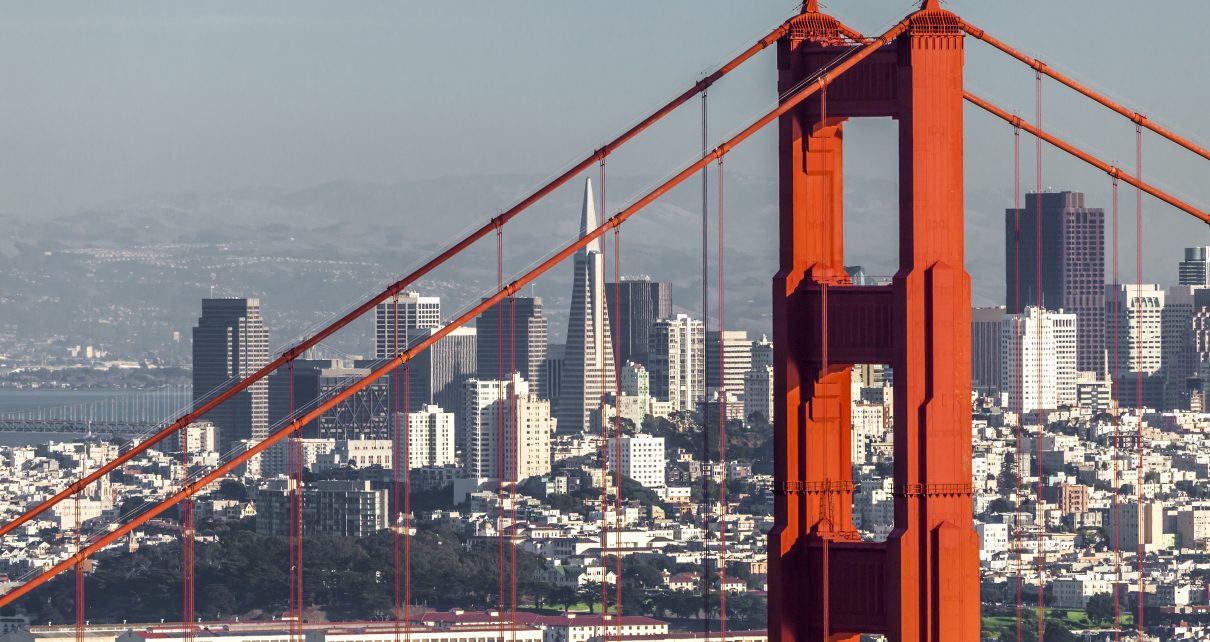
[
  {"x": 985, "y": 348},
  {"x": 1193, "y": 270},
  {"x": 639, "y": 303},
  {"x": 365, "y": 415},
  {"x": 230, "y": 342},
  {"x": 1072, "y": 259},
  {"x": 511, "y": 335}
]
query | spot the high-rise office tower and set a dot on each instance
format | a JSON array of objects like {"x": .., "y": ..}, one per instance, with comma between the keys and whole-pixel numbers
[
  {"x": 985, "y": 347},
  {"x": 1193, "y": 271},
  {"x": 678, "y": 367},
  {"x": 554, "y": 369},
  {"x": 230, "y": 342},
  {"x": 1072, "y": 259},
  {"x": 393, "y": 317},
  {"x": 737, "y": 359},
  {"x": 588, "y": 365},
  {"x": 1038, "y": 359},
  {"x": 435, "y": 376},
  {"x": 1139, "y": 309},
  {"x": 365, "y": 415},
  {"x": 639, "y": 303},
  {"x": 492, "y": 407},
  {"x": 758, "y": 392},
  {"x": 762, "y": 352},
  {"x": 512, "y": 337},
  {"x": 1178, "y": 361}
]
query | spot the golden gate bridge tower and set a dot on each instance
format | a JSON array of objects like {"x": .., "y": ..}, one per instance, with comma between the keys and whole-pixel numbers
[{"x": 922, "y": 583}]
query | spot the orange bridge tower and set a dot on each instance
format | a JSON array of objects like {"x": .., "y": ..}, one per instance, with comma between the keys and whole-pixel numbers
[{"x": 922, "y": 583}]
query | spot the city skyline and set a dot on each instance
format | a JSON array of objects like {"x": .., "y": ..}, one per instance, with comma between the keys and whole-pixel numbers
[{"x": 843, "y": 454}]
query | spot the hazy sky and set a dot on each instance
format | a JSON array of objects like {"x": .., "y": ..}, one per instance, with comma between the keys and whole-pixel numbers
[{"x": 118, "y": 99}]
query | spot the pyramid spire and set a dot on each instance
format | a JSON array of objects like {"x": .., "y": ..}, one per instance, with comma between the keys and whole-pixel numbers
[{"x": 588, "y": 218}]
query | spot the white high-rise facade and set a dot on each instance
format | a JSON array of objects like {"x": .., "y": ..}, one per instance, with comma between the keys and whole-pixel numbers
[
  {"x": 736, "y": 359},
  {"x": 430, "y": 437},
  {"x": 494, "y": 407},
  {"x": 1140, "y": 308},
  {"x": 1038, "y": 359},
  {"x": 1136, "y": 311},
  {"x": 678, "y": 369},
  {"x": 395, "y": 316},
  {"x": 643, "y": 458},
  {"x": 588, "y": 368}
]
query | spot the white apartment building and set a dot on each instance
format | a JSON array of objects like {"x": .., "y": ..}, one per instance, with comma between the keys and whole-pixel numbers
[
  {"x": 643, "y": 458},
  {"x": 358, "y": 453},
  {"x": 430, "y": 437},
  {"x": 677, "y": 348},
  {"x": 202, "y": 436},
  {"x": 736, "y": 350},
  {"x": 869, "y": 427},
  {"x": 1149, "y": 529},
  {"x": 1038, "y": 359},
  {"x": 1073, "y": 592},
  {"x": 993, "y": 538},
  {"x": 494, "y": 407},
  {"x": 635, "y": 385}
]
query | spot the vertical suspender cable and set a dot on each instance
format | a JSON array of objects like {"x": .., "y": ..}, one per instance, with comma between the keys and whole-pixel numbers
[
  {"x": 506, "y": 391},
  {"x": 1041, "y": 301},
  {"x": 1019, "y": 478},
  {"x": 515, "y": 467},
  {"x": 825, "y": 497},
  {"x": 186, "y": 543},
  {"x": 79, "y": 570},
  {"x": 296, "y": 463},
  {"x": 603, "y": 436},
  {"x": 1138, "y": 268},
  {"x": 400, "y": 460},
  {"x": 1117, "y": 522},
  {"x": 722, "y": 422},
  {"x": 407, "y": 503},
  {"x": 705, "y": 506},
  {"x": 617, "y": 421}
]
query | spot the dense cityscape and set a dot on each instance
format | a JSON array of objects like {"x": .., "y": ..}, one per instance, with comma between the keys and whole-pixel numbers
[
  {"x": 301, "y": 339},
  {"x": 1088, "y": 452}
]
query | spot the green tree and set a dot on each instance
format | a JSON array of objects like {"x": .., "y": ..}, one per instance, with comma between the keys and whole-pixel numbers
[
  {"x": 590, "y": 594},
  {"x": 232, "y": 489},
  {"x": 1100, "y": 607}
]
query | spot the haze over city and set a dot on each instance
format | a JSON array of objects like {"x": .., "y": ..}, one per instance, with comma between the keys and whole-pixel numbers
[{"x": 707, "y": 423}]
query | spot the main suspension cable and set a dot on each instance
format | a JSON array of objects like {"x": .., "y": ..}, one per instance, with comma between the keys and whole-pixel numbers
[
  {"x": 399, "y": 286},
  {"x": 407, "y": 355}
]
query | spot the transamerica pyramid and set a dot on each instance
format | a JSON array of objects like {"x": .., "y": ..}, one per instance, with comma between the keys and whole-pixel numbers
[{"x": 588, "y": 367}]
